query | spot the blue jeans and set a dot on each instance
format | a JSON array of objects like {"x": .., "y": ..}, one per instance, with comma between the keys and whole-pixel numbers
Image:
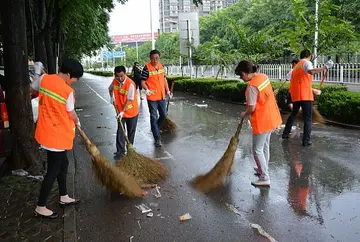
[{"x": 157, "y": 120}]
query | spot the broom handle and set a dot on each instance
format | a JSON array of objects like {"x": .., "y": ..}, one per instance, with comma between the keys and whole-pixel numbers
[
  {"x": 122, "y": 126},
  {"x": 281, "y": 86},
  {"x": 239, "y": 128},
  {"x": 83, "y": 135},
  {"x": 323, "y": 78},
  {"x": 171, "y": 91}
]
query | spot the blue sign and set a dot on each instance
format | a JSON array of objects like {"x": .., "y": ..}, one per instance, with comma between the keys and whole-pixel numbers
[
  {"x": 119, "y": 54},
  {"x": 107, "y": 54}
]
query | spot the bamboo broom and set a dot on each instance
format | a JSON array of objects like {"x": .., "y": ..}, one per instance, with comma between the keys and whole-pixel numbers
[
  {"x": 217, "y": 175},
  {"x": 168, "y": 125}
]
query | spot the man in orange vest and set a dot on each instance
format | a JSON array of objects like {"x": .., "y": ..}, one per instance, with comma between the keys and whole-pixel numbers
[
  {"x": 156, "y": 87},
  {"x": 55, "y": 129},
  {"x": 302, "y": 94},
  {"x": 123, "y": 90},
  {"x": 265, "y": 116}
]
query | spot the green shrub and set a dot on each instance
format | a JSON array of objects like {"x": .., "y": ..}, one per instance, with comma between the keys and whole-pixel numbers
[
  {"x": 101, "y": 73},
  {"x": 342, "y": 106}
]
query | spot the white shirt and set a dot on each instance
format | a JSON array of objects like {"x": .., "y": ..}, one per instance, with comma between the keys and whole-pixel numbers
[
  {"x": 35, "y": 85},
  {"x": 308, "y": 66},
  {"x": 288, "y": 76}
]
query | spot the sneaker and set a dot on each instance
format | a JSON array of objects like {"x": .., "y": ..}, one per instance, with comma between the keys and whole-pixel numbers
[
  {"x": 306, "y": 143},
  {"x": 261, "y": 182},
  {"x": 158, "y": 143}
]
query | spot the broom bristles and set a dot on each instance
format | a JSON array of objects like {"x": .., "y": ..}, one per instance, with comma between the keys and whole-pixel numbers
[
  {"x": 113, "y": 178},
  {"x": 217, "y": 175},
  {"x": 168, "y": 126},
  {"x": 144, "y": 169}
]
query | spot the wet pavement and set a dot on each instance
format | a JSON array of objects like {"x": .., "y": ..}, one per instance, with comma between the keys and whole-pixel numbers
[{"x": 313, "y": 195}]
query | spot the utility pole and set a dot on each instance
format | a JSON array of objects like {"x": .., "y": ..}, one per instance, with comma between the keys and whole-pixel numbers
[
  {"x": 151, "y": 27},
  {"x": 316, "y": 31},
  {"x": 190, "y": 46}
]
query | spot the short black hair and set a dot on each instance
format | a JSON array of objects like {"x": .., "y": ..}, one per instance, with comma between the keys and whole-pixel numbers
[
  {"x": 246, "y": 67},
  {"x": 295, "y": 61},
  {"x": 72, "y": 67},
  {"x": 305, "y": 54},
  {"x": 136, "y": 63},
  {"x": 154, "y": 52},
  {"x": 118, "y": 69}
]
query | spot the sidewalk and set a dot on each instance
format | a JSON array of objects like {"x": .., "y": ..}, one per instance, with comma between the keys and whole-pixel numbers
[{"x": 17, "y": 203}]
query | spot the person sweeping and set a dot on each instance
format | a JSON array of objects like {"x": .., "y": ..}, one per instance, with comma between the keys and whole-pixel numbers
[
  {"x": 302, "y": 94},
  {"x": 156, "y": 87},
  {"x": 123, "y": 96},
  {"x": 55, "y": 130},
  {"x": 264, "y": 113}
]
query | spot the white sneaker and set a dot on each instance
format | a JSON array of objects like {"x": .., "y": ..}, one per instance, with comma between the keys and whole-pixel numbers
[{"x": 261, "y": 182}]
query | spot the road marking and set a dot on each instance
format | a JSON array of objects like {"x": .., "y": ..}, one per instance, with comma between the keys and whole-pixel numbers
[
  {"x": 98, "y": 94},
  {"x": 168, "y": 157},
  {"x": 168, "y": 154}
]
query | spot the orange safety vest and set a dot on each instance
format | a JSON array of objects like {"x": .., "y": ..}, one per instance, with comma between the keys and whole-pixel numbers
[
  {"x": 156, "y": 82},
  {"x": 121, "y": 94},
  {"x": 266, "y": 116},
  {"x": 55, "y": 129},
  {"x": 301, "y": 84}
]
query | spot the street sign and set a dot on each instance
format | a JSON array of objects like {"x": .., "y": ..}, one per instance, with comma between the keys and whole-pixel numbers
[
  {"x": 188, "y": 31},
  {"x": 107, "y": 54},
  {"x": 118, "y": 54}
]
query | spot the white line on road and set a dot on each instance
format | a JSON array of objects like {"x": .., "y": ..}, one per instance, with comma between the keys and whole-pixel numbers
[{"x": 98, "y": 94}]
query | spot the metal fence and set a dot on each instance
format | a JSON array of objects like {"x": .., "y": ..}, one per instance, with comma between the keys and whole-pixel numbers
[{"x": 341, "y": 73}]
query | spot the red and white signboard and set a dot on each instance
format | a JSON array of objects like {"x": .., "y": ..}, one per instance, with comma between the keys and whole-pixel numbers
[{"x": 130, "y": 38}]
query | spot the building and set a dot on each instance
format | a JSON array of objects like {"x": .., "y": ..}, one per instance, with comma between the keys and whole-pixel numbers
[{"x": 169, "y": 11}]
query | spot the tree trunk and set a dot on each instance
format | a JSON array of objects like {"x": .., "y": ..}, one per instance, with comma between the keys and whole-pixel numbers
[
  {"x": 25, "y": 153},
  {"x": 40, "y": 49},
  {"x": 50, "y": 53}
]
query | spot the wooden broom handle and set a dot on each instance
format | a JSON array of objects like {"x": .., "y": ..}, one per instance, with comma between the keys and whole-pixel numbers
[
  {"x": 239, "y": 127},
  {"x": 171, "y": 91},
  {"x": 281, "y": 86},
  {"x": 122, "y": 126},
  {"x": 323, "y": 78}
]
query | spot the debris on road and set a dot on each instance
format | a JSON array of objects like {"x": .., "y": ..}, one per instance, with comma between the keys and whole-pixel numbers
[
  {"x": 87, "y": 116},
  {"x": 201, "y": 105},
  {"x": 130, "y": 239},
  {"x": 156, "y": 192},
  {"x": 102, "y": 127},
  {"x": 38, "y": 178},
  {"x": 233, "y": 209},
  {"x": 155, "y": 205},
  {"x": 150, "y": 215},
  {"x": 262, "y": 232},
  {"x": 20, "y": 172},
  {"x": 185, "y": 217},
  {"x": 139, "y": 224},
  {"x": 79, "y": 110},
  {"x": 143, "y": 208}
]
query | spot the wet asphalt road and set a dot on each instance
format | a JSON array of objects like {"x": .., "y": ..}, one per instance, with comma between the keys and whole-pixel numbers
[{"x": 313, "y": 196}]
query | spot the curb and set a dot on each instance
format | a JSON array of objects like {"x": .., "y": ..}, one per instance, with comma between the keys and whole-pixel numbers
[{"x": 69, "y": 234}]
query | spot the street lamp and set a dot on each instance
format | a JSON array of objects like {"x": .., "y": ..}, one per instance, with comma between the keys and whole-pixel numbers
[
  {"x": 151, "y": 27},
  {"x": 316, "y": 31}
]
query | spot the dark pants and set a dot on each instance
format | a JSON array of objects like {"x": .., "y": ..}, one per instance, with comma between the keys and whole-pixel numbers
[
  {"x": 157, "y": 120},
  {"x": 56, "y": 169},
  {"x": 138, "y": 84},
  {"x": 306, "y": 107},
  {"x": 130, "y": 126}
]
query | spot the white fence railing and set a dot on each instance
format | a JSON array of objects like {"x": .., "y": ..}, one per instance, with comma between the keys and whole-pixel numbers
[{"x": 341, "y": 73}]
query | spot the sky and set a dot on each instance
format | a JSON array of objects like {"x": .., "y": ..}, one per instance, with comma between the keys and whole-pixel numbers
[{"x": 133, "y": 17}]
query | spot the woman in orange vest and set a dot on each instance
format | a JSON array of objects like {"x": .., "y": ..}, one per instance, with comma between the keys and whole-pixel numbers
[
  {"x": 123, "y": 90},
  {"x": 264, "y": 116},
  {"x": 55, "y": 130},
  {"x": 156, "y": 87},
  {"x": 302, "y": 94}
]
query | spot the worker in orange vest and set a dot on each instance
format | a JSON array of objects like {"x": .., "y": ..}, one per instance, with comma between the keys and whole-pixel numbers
[
  {"x": 302, "y": 94},
  {"x": 156, "y": 86},
  {"x": 264, "y": 116},
  {"x": 55, "y": 130},
  {"x": 122, "y": 91}
]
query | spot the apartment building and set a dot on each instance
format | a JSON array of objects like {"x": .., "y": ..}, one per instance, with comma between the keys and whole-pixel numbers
[{"x": 169, "y": 11}]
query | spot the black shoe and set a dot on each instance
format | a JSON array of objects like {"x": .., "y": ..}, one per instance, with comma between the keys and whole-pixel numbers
[
  {"x": 63, "y": 204},
  {"x": 158, "y": 143},
  {"x": 52, "y": 216},
  {"x": 119, "y": 155},
  {"x": 285, "y": 136},
  {"x": 306, "y": 143}
]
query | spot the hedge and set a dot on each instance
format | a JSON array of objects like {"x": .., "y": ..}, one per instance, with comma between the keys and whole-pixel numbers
[
  {"x": 335, "y": 103},
  {"x": 101, "y": 73}
]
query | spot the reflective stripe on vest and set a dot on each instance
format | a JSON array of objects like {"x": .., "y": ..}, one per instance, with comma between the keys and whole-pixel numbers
[
  {"x": 266, "y": 116},
  {"x": 54, "y": 128},
  {"x": 121, "y": 94},
  {"x": 156, "y": 82}
]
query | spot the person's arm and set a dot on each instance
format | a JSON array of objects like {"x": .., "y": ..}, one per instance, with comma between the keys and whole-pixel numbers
[
  {"x": 70, "y": 108},
  {"x": 144, "y": 77},
  {"x": 309, "y": 68},
  {"x": 111, "y": 90},
  {"x": 167, "y": 86},
  {"x": 252, "y": 96}
]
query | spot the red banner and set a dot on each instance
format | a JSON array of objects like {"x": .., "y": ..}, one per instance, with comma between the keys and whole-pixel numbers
[{"x": 130, "y": 38}]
